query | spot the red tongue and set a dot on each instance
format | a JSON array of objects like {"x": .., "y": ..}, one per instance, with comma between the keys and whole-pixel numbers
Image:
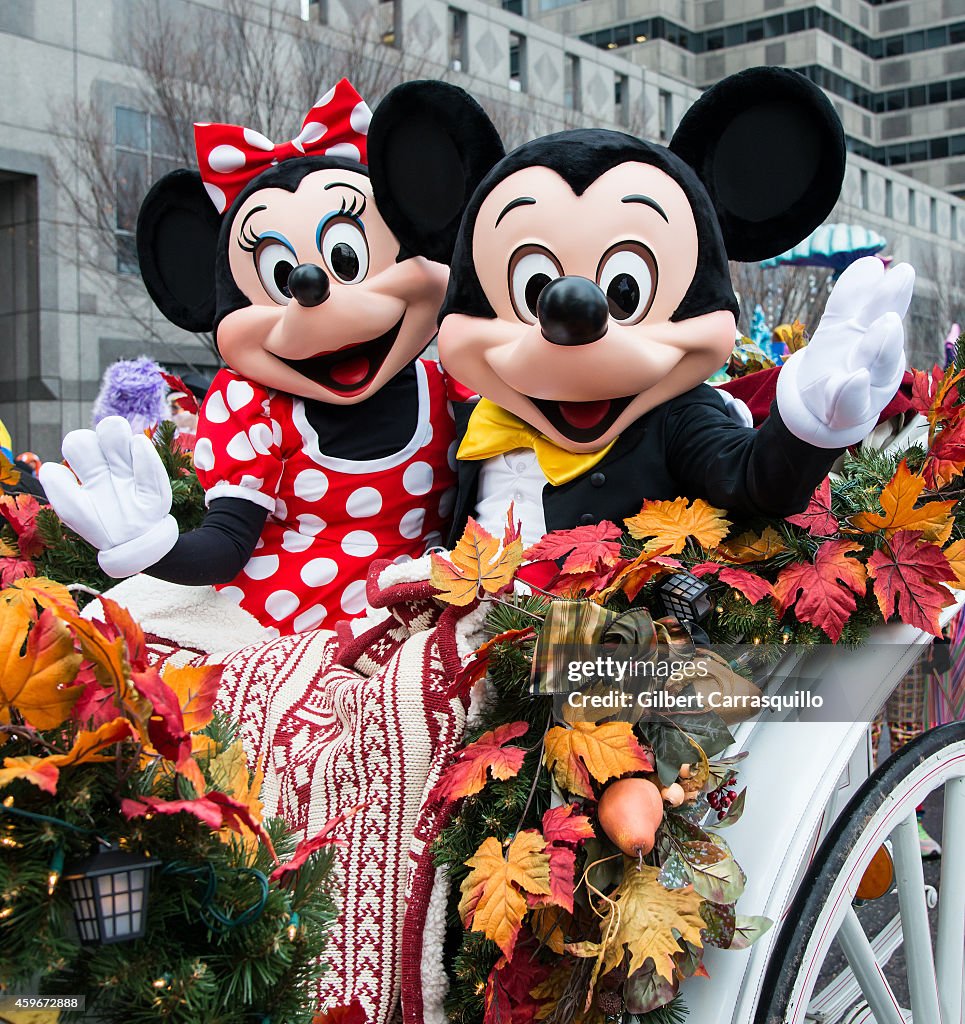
[
  {"x": 584, "y": 415},
  {"x": 350, "y": 372}
]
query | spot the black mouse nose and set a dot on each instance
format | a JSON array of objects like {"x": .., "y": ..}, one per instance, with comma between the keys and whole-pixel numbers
[
  {"x": 309, "y": 284},
  {"x": 572, "y": 311}
]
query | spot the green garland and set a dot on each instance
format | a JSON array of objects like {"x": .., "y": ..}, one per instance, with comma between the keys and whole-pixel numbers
[{"x": 183, "y": 970}]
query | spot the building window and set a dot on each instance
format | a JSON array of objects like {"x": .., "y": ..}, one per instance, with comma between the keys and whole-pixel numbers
[
  {"x": 517, "y": 62},
  {"x": 933, "y": 215},
  {"x": 912, "y": 208},
  {"x": 864, "y": 189},
  {"x": 572, "y": 98},
  {"x": 458, "y": 50},
  {"x": 314, "y": 10},
  {"x": 889, "y": 200},
  {"x": 513, "y": 6},
  {"x": 666, "y": 114},
  {"x": 621, "y": 99},
  {"x": 145, "y": 148}
]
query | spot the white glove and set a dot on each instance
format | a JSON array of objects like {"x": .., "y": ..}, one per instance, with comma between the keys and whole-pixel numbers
[
  {"x": 123, "y": 501},
  {"x": 737, "y": 409},
  {"x": 831, "y": 393}
]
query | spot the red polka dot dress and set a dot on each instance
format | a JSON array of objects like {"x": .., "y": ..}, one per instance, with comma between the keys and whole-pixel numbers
[{"x": 328, "y": 518}]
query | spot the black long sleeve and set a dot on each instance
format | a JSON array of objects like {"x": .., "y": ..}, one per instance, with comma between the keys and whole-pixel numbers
[
  {"x": 767, "y": 472},
  {"x": 218, "y": 549}
]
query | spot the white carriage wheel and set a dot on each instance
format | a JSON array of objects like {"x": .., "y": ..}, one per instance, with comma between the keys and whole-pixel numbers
[{"x": 822, "y": 911}]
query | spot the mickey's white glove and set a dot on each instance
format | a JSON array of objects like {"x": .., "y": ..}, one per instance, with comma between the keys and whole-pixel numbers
[
  {"x": 831, "y": 393},
  {"x": 123, "y": 501}
]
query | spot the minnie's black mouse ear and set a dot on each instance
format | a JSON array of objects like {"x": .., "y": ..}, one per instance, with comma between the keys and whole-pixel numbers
[
  {"x": 769, "y": 148},
  {"x": 429, "y": 146},
  {"x": 177, "y": 242}
]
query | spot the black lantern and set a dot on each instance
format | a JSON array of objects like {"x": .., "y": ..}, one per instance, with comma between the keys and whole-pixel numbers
[
  {"x": 109, "y": 892},
  {"x": 685, "y": 597}
]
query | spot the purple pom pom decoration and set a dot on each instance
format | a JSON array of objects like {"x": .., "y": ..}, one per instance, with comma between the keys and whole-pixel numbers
[{"x": 134, "y": 389}]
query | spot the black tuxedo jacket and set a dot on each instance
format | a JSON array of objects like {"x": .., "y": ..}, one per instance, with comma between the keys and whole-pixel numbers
[{"x": 686, "y": 447}]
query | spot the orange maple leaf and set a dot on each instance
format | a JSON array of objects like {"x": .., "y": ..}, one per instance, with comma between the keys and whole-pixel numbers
[
  {"x": 39, "y": 590},
  {"x": 602, "y": 751},
  {"x": 908, "y": 575},
  {"x": 196, "y": 687},
  {"x": 823, "y": 593},
  {"x": 955, "y": 554},
  {"x": 932, "y": 395},
  {"x": 489, "y": 753},
  {"x": 670, "y": 523},
  {"x": 477, "y": 562},
  {"x": 634, "y": 577},
  {"x": 749, "y": 547},
  {"x": 494, "y": 892},
  {"x": 898, "y": 499},
  {"x": 37, "y": 662},
  {"x": 39, "y": 771}
]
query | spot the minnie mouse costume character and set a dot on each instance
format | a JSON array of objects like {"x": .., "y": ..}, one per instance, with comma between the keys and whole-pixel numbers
[{"x": 325, "y": 443}]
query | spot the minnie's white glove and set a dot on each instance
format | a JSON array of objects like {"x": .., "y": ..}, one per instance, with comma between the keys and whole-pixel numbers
[
  {"x": 831, "y": 393},
  {"x": 123, "y": 501}
]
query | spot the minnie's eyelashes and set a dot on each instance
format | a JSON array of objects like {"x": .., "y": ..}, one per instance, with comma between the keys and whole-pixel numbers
[{"x": 356, "y": 209}]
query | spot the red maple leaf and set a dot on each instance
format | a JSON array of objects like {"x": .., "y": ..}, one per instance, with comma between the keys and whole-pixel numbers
[
  {"x": 20, "y": 511},
  {"x": 908, "y": 574},
  {"x": 584, "y": 547},
  {"x": 165, "y": 727},
  {"x": 563, "y": 829},
  {"x": 186, "y": 399},
  {"x": 514, "y": 528},
  {"x": 214, "y": 809},
  {"x": 284, "y": 872},
  {"x": 96, "y": 705},
  {"x": 507, "y": 999},
  {"x": 489, "y": 753},
  {"x": 817, "y": 518},
  {"x": 354, "y": 1013},
  {"x": 934, "y": 395},
  {"x": 823, "y": 593},
  {"x": 752, "y": 586},
  {"x": 478, "y": 663},
  {"x": 946, "y": 456},
  {"x": 119, "y": 623},
  {"x": 13, "y": 569}
]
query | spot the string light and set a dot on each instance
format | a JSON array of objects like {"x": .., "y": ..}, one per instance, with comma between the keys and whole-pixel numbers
[
  {"x": 56, "y": 866},
  {"x": 293, "y": 926},
  {"x": 480, "y": 988}
]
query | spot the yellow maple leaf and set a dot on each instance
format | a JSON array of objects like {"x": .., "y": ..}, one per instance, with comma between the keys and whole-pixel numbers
[
  {"x": 494, "y": 892},
  {"x": 604, "y": 751},
  {"x": 955, "y": 553},
  {"x": 550, "y": 925},
  {"x": 229, "y": 774},
  {"x": 8, "y": 550},
  {"x": 641, "y": 918},
  {"x": 41, "y": 590},
  {"x": 36, "y": 681},
  {"x": 749, "y": 547},
  {"x": 478, "y": 562},
  {"x": 898, "y": 499},
  {"x": 9, "y": 474},
  {"x": 37, "y": 770},
  {"x": 670, "y": 523}
]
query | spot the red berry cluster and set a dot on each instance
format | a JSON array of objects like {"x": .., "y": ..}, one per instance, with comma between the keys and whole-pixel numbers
[{"x": 722, "y": 797}]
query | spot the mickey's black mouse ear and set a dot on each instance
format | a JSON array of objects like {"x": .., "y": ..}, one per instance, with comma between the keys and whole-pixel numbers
[
  {"x": 177, "y": 241},
  {"x": 429, "y": 146},
  {"x": 769, "y": 148}
]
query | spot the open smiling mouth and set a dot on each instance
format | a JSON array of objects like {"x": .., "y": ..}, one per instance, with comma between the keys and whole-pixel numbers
[
  {"x": 348, "y": 371},
  {"x": 582, "y": 422}
]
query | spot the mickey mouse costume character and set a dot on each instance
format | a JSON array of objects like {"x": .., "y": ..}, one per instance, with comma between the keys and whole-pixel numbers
[
  {"x": 590, "y": 298},
  {"x": 325, "y": 443}
]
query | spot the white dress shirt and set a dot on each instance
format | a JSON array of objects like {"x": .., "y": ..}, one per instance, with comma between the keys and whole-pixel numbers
[{"x": 514, "y": 478}]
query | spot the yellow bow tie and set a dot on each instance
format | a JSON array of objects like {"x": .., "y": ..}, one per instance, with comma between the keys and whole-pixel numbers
[{"x": 493, "y": 431}]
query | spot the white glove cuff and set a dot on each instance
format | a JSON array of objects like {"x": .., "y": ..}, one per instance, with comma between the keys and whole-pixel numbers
[
  {"x": 139, "y": 553},
  {"x": 802, "y": 423}
]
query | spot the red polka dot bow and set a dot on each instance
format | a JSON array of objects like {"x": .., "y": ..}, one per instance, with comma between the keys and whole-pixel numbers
[{"x": 229, "y": 156}]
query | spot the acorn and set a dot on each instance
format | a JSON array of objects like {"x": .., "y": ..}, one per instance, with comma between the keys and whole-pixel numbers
[
  {"x": 673, "y": 794},
  {"x": 630, "y": 812}
]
